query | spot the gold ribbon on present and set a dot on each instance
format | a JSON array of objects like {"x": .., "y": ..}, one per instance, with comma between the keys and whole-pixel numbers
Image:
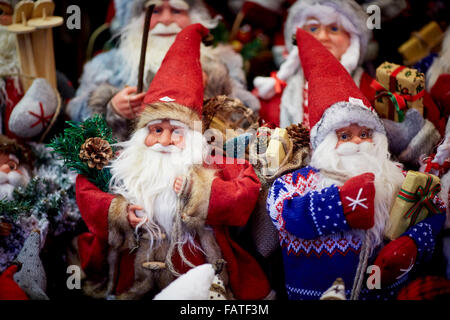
[{"x": 423, "y": 198}]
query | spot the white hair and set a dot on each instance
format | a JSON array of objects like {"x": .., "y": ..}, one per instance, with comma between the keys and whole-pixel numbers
[
  {"x": 350, "y": 160},
  {"x": 130, "y": 49},
  {"x": 145, "y": 177}
]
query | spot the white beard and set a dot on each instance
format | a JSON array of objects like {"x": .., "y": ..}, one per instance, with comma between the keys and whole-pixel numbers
[
  {"x": 157, "y": 47},
  {"x": 145, "y": 177},
  {"x": 349, "y": 162},
  {"x": 10, "y": 181}
]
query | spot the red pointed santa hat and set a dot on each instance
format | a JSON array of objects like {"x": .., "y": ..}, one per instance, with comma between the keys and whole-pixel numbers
[
  {"x": 176, "y": 91},
  {"x": 334, "y": 99}
]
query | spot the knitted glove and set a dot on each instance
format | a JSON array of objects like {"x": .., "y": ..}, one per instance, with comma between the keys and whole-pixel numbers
[
  {"x": 396, "y": 259},
  {"x": 357, "y": 197}
]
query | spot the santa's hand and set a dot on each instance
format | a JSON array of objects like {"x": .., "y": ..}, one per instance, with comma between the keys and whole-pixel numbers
[
  {"x": 179, "y": 184},
  {"x": 127, "y": 104},
  {"x": 133, "y": 219},
  {"x": 357, "y": 197},
  {"x": 265, "y": 86},
  {"x": 396, "y": 259}
]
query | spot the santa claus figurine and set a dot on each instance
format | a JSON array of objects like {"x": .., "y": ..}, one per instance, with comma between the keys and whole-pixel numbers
[
  {"x": 109, "y": 82},
  {"x": 331, "y": 216},
  {"x": 163, "y": 182},
  {"x": 341, "y": 27}
]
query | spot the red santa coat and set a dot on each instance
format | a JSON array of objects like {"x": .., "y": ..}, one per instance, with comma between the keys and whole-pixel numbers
[{"x": 234, "y": 193}]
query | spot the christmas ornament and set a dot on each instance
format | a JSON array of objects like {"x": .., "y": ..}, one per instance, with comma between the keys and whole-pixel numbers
[{"x": 96, "y": 152}]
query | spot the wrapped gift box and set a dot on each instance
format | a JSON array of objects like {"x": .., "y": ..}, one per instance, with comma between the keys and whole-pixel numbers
[
  {"x": 276, "y": 153},
  {"x": 421, "y": 43},
  {"x": 413, "y": 203},
  {"x": 404, "y": 85}
]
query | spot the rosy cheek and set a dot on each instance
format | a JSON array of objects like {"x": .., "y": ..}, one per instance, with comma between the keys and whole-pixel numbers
[
  {"x": 183, "y": 21},
  {"x": 179, "y": 142},
  {"x": 150, "y": 140},
  {"x": 154, "y": 21}
]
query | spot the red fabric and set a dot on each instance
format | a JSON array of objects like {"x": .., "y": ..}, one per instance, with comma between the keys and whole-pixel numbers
[
  {"x": 9, "y": 289},
  {"x": 93, "y": 205},
  {"x": 180, "y": 76},
  {"x": 233, "y": 196},
  {"x": 396, "y": 258},
  {"x": 359, "y": 187},
  {"x": 111, "y": 12},
  {"x": 426, "y": 288},
  {"x": 366, "y": 88},
  {"x": 328, "y": 80},
  {"x": 260, "y": 17},
  {"x": 270, "y": 109},
  {"x": 441, "y": 94}
]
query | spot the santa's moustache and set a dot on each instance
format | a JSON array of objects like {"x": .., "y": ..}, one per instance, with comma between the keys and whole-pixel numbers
[
  {"x": 8, "y": 182},
  {"x": 350, "y": 160}
]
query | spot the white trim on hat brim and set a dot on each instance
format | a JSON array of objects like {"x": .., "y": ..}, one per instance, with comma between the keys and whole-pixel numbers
[
  {"x": 343, "y": 114},
  {"x": 175, "y": 123}
]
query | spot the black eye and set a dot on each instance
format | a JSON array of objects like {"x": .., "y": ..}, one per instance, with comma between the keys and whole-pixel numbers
[
  {"x": 344, "y": 136},
  {"x": 12, "y": 165}
]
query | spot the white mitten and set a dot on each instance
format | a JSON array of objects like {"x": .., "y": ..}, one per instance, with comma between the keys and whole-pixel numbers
[
  {"x": 32, "y": 115},
  {"x": 265, "y": 86}
]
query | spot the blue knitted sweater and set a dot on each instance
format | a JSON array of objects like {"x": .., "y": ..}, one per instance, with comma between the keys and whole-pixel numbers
[{"x": 317, "y": 243}]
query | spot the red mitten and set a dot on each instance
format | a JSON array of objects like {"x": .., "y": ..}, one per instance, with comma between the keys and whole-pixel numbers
[
  {"x": 9, "y": 289},
  {"x": 357, "y": 197},
  {"x": 396, "y": 259}
]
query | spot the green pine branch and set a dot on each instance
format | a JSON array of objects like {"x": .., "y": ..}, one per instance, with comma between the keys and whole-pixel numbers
[{"x": 68, "y": 144}]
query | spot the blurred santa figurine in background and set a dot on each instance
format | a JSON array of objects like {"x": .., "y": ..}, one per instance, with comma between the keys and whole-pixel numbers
[
  {"x": 108, "y": 84},
  {"x": 341, "y": 27}
]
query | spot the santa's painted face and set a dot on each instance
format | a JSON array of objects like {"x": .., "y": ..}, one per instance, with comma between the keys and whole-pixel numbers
[
  {"x": 355, "y": 134},
  {"x": 9, "y": 163},
  {"x": 10, "y": 175},
  {"x": 166, "y": 133},
  {"x": 167, "y": 12},
  {"x": 332, "y": 36}
]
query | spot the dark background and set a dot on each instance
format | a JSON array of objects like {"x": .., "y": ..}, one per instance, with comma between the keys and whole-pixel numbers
[{"x": 71, "y": 45}]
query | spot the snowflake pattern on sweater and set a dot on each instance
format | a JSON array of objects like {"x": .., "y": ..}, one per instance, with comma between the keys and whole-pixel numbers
[{"x": 317, "y": 243}]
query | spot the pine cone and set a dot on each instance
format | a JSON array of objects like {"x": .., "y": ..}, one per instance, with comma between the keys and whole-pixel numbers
[
  {"x": 96, "y": 152},
  {"x": 299, "y": 136}
]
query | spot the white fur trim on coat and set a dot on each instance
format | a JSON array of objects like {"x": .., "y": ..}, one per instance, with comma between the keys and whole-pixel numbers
[{"x": 343, "y": 114}]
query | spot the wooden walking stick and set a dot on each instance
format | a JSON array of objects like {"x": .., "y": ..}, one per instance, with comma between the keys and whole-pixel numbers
[
  {"x": 23, "y": 12},
  {"x": 42, "y": 39},
  {"x": 148, "y": 15}
]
